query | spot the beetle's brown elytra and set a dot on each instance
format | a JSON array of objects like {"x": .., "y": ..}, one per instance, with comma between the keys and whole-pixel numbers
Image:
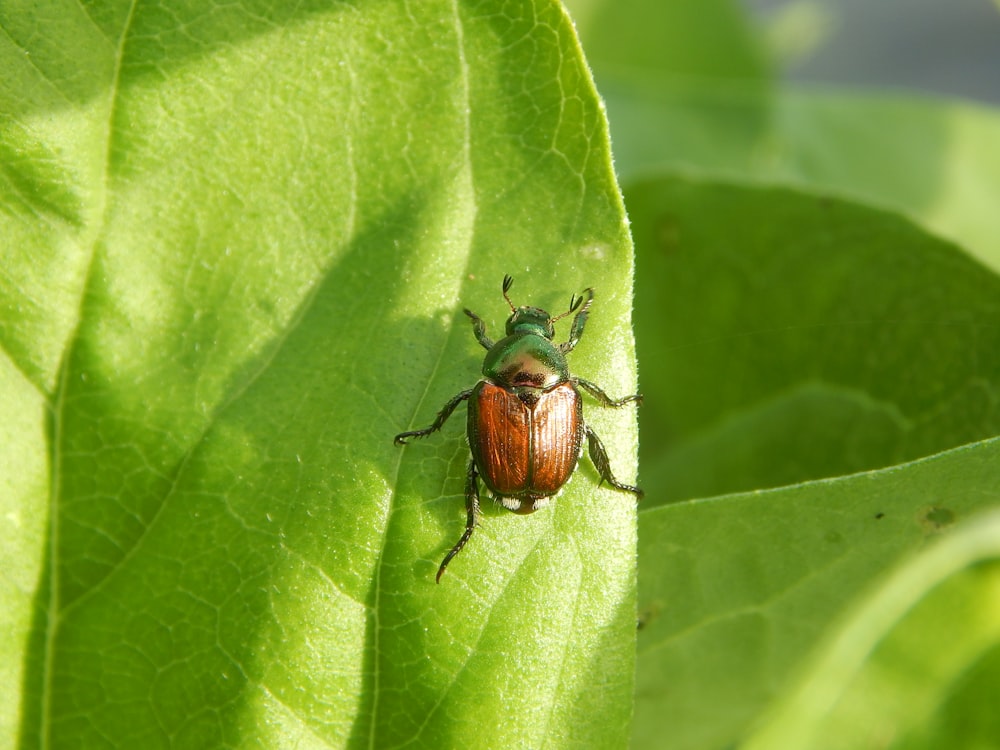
[
  {"x": 525, "y": 426},
  {"x": 525, "y": 451}
]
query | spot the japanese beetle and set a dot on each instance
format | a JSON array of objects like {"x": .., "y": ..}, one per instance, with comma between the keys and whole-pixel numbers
[{"x": 525, "y": 424}]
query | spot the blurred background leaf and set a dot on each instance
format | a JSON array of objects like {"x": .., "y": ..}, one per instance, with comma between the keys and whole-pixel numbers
[
  {"x": 744, "y": 586},
  {"x": 927, "y": 638},
  {"x": 672, "y": 108},
  {"x": 808, "y": 337},
  {"x": 816, "y": 296}
]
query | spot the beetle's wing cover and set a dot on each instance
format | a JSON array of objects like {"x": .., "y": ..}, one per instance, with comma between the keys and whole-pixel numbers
[
  {"x": 499, "y": 435},
  {"x": 556, "y": 437}
]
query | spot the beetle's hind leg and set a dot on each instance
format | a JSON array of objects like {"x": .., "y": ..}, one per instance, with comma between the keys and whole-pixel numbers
[
  {"x": 479, "y": 329},
  {"x": 597, "y": 392},
  {"x": 600, "y": 458},
  {"x": 439, "y": 421},
  {"x": 471, "y": 519}
]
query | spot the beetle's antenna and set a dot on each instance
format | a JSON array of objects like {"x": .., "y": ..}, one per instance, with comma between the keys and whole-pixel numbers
[
  {"x": 574, "y": 304},
  {"x": 508, "y": 282}
]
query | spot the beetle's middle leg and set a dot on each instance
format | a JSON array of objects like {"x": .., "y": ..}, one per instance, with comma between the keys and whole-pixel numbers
[
  {"x": 471, "y": 519},
  {"x": 597, "y": 392},
  {"x": 600, "y": 458},
  {"x": 479, "y": 328},
  {"x": 439, "y": 421}
]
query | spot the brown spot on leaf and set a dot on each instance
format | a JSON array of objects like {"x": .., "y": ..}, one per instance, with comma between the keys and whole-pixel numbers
[{"x": 935, "y": 518}]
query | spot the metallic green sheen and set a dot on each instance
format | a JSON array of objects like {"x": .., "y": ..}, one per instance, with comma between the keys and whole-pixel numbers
[
  {"x": 526, "y": 359},
  {"x": 531, "y": 320}
]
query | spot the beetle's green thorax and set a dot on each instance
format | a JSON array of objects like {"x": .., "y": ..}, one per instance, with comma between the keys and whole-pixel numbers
[
  {"x": 531, "y": 320},
  {"x": 525, "y": 358}
]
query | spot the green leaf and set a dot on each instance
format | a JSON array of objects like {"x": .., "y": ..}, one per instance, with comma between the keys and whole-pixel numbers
[
  {"x": 736, "y": 591},
  {"x": 916, "y": 665},
  {"x": 786, "y": 337},
  {"x": 236, "y": 245}
]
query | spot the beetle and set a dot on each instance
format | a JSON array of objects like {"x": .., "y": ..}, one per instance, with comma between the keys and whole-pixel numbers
[{"x": 525, "y": 417}]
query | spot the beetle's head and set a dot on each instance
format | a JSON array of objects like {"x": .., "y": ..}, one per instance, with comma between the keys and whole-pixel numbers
[
  {"x": 531, "y": 320},
  {"x": 535, "y": 320}
]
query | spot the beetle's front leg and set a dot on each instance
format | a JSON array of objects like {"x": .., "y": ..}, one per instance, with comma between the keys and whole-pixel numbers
[
  {"x": 439, "y": 421},
  {"x": 597, "y": 392},
  {"x": 479, "y": 328},
  {"x": 600, "y": 458},
  {"x": 579, "y": 321},
  {"x": 471, "y": 519}
]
